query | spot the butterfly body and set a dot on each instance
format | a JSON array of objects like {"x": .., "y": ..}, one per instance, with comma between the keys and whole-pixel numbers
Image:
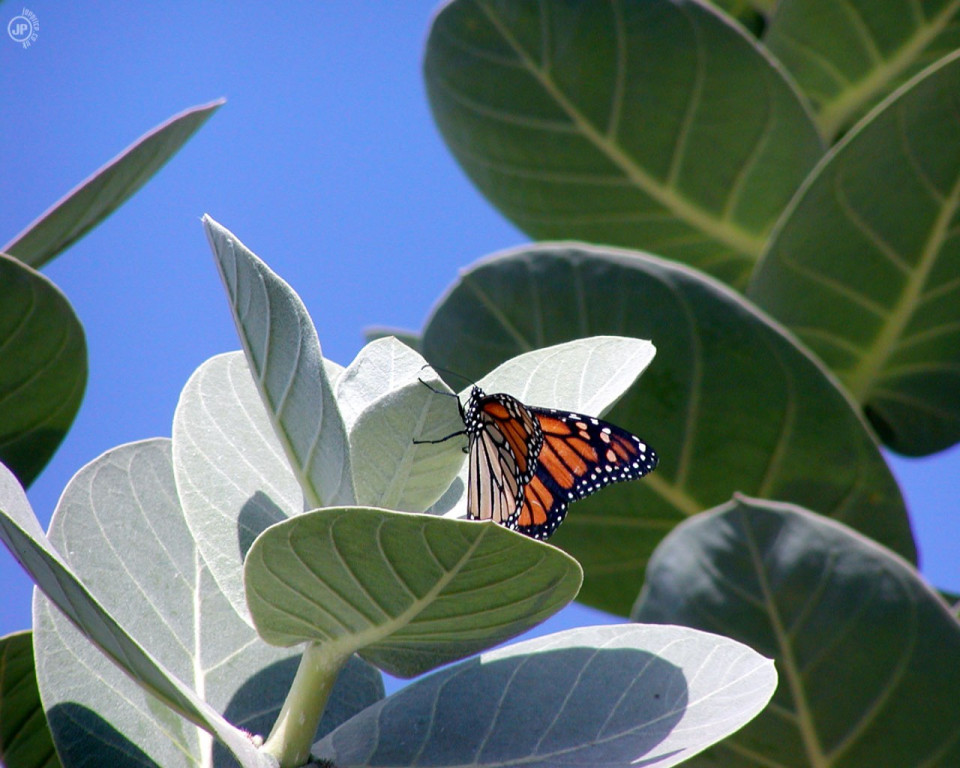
[{"x": 528, "y": 464}]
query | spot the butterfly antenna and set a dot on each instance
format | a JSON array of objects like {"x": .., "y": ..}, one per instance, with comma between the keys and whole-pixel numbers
[
  {"x": 460, "y": 376},
  {"x": 446, "y": 394}
]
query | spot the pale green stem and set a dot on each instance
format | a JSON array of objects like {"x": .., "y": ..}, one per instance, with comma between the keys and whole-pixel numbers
[{"x": 293, "y": 733}]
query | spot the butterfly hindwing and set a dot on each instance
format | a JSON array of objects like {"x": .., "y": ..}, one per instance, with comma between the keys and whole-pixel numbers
[{"x": 579, "y": 456}]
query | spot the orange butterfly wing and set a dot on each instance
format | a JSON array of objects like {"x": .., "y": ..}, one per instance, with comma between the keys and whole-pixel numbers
[{"x": 579, "y": 456}]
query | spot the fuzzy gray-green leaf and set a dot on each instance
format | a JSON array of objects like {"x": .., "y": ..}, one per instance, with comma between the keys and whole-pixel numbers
[
  {"x": 284, "y": 354},
  {"x": 615, "y": 696},
  {"x": 406, "y": 592}
]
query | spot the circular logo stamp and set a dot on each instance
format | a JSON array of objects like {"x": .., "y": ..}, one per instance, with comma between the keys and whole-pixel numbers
[{"x": 24, "y": 28}]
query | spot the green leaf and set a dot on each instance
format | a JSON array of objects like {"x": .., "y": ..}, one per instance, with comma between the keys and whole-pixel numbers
[
  {"x": 120, "y": 524},
  {"x": 847, "y": 56},
  {"x": 863, "y": 645},
  {"x": 25, "y": 740},
  {"x": 730, "y": 403},
  {"x": 107, "y": 189},
  {"x": 407, "y": 592},
  {"x": 595, "y": 696},
  {"x": 584, "y": 375},
  {"x": 44, "y": 368},
  {"x": 612, "y": 123},
  {"x": 752, "y": 14},
  {"x": 284, "y": 354},
  {"x": 23, "y": 536},
  {"x": 232, "y": 475},
  {"x": 864, "y": 266},
  {"x": 386, "y": 405}
]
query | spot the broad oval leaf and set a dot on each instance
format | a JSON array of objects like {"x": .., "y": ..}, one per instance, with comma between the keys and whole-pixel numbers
[
  {"x": 864, "y": 646},
  {"x": 406, "y": 592},
  {"x": 44, "y": 370},
  {"x": 25, "y": 739},
  {"x": 612, "y": 123},
  {"x": 232, "y": 475},
  {"x": 730, "y": 403},
  {"x": 847, "y": 56},
  {"x": 121, "y": 527},
  {"x": 94, "y": 199},
  {"x": 864, "y": 266},
  {"x": 284, "y": 354},
  {"x": 596, "y": 696},
  {"x": 21, "y": 533}
]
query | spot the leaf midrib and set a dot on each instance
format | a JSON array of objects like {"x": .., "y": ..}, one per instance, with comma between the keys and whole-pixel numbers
[
  {"x": 750, "y": 246},
  {"x": 865, "y": 374}
]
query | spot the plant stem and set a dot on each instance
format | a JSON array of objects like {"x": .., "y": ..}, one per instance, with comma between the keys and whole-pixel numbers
[{"x": 293, "y": 733}]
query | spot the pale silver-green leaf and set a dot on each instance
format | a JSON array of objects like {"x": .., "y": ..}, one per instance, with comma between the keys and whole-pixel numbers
[
  {"x": 387, "y": 404},
  {"x": 283, "y": 352},
  {"x": 22, "y": 534},
  {"x": 120, "y": 523},
  {"x": 614, "y": 696},
  {"x": 232, "y": 474},
  {"x": 406, "y": 592}
]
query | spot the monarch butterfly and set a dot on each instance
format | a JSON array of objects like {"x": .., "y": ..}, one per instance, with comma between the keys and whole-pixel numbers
[{"x": 527, "y": 464}]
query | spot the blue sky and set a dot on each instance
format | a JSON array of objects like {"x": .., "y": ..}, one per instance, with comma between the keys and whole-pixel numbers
[{"x": 324, "y": 161}]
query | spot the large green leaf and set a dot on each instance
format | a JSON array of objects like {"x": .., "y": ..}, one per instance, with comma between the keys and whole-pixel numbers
[
  {"x": 21, "y": 533},
  {"x": 595, "y": 696},
  {"x": 730, "y": 403},
  {"x": 866, "y": 650},
  {"x": 107, "y": 189},
  {"x": 43, "y": 371},
  {"x": 284, "y": 354},
  {"x": 864, "y": 267},
  {"x": 25, "y": 740},
  {"x": 658, "y": 125},
  {"x": 848, "y": 55},
  {"x": 121, "y": 527},
  {"x": 407, "y": 592}
]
